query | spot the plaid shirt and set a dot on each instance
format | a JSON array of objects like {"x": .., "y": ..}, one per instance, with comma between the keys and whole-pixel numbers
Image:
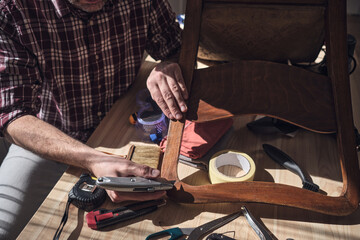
[{"x": 68, "y": 67}]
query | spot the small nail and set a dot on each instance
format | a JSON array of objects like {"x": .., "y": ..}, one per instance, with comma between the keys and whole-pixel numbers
[
  {"x": 178, "y": 116},
  {"x": 155, "y": 172},
  {"x": 171, "y": 116},
  {"x": 183, "y": 108}
]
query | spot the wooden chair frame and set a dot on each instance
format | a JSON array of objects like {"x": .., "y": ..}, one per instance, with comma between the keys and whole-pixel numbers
[{"x": 331, "y": 112}]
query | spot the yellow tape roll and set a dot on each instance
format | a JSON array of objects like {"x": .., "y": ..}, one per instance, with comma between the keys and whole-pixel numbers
[{"x": 231, "y": 158}]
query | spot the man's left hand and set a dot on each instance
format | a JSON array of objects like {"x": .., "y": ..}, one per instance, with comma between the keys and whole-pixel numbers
[{"x": 168, "y": 90}]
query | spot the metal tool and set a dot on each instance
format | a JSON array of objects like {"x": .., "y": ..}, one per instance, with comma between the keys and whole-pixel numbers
[
  {"x": 218, "y": 236},
  {"x": 193, "y": 163},
  {"x": 102, "y": 217},
  {"x": 258, "y": 228},
  {"x": 133, "y": 184},
  {"x": 195, "y": 233},
  {"x": 284, "y": 160}
]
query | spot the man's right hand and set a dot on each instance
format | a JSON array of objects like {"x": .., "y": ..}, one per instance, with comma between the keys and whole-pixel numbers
[{"x": 113, "y": 166}]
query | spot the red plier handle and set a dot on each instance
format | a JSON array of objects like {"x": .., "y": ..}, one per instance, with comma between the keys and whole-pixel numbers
[{"x": 101, "y": 218}]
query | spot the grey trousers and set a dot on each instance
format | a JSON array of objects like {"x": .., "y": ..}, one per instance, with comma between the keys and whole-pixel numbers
[{"x": 25, "y": 181}]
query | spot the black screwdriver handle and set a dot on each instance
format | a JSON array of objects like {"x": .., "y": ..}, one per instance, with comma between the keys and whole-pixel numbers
[{"x": 284, "y": 160}]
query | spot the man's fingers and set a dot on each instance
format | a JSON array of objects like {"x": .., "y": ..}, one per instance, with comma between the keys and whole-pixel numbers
[
  {"x": 128, "y": 196},
  {"x": 140, "y": 170},
  {"x": 168, "y": 89},
  {"x": 171, "y": 93},
  {"x": 178, "y": 89},
  {"x": 180, "y": 80},
  {"x": 157, "y": 96}
]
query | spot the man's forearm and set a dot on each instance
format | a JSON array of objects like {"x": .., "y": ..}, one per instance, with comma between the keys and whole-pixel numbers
[{"x": 49, "y": 142}]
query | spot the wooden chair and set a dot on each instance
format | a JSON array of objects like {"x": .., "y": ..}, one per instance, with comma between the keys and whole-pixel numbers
[{"x": 315, "y": 102}]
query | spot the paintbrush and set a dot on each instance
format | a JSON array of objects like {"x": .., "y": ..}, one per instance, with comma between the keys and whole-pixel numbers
[{"x": 143, "y": 154}]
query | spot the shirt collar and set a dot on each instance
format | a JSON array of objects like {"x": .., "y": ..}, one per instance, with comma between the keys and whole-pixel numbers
[{"x": 62, "y": 7}]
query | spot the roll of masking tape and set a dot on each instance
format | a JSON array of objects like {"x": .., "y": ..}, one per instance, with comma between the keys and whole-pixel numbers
[{"x": 240, "y": 166}]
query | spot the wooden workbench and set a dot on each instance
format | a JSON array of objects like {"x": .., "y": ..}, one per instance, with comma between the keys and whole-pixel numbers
[{"x": 314, "y": 151}]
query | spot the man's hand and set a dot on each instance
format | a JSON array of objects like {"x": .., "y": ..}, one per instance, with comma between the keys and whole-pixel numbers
[
  {"x": 112, "y": 166},
  {"x": 49, "y": 142},
  {"x": 167, "y": 88}
]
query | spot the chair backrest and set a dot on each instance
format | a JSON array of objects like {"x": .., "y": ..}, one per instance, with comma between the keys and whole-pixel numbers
[
  {"x": 274, "y": 31},
  {"x": 313, "y": 101},
  {"x": 259, "y": 87}
]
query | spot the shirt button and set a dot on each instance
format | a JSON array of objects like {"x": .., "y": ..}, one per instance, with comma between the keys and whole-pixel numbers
[
  {"x": 91, "y": 22},
  {"x": 99, "y": 86},
  {"x": 97, "y": 57},
  {"x": 99, "y": 114}
]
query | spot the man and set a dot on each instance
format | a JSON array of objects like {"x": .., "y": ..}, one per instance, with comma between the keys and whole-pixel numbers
[{"x": 63, "y": 63}]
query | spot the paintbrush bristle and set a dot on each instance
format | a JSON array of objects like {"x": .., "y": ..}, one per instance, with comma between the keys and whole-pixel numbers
[{"x": 147, "y": 154}]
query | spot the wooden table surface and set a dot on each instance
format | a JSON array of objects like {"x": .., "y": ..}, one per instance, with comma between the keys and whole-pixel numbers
[{"x": 316, "y": 152}]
